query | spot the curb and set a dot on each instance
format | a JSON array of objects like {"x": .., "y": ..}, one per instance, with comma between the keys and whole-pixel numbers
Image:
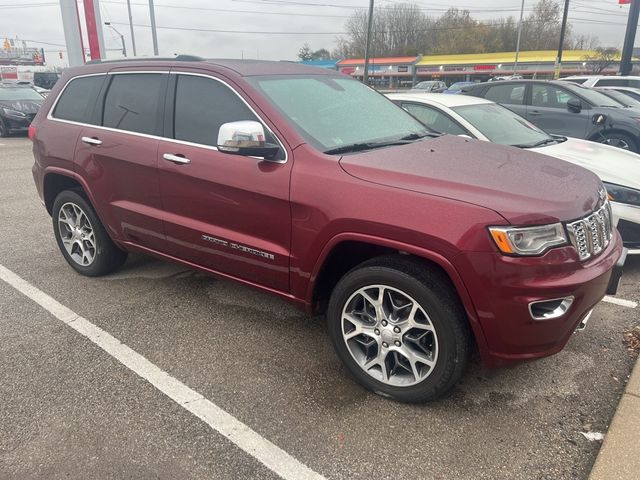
[{"x": 619, "y": 456}]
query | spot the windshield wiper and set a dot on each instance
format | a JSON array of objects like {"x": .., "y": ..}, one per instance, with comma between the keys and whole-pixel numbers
[
  {"x": 546, "y": 141},
  {"x": 358, "y": 147}
]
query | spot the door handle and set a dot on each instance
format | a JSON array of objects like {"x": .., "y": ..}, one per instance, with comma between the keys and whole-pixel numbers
[
  {"x": 535, "y": 113},
  {"x": 92, "y": 141},
  {"x": 181, "y": 159}
]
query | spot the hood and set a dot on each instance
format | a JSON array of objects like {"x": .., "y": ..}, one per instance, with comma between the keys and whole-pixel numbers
[
  {"x": 611, "y": 164},
  {"x": 525, "y": 187},
  {"x": 24, "y": 106}
]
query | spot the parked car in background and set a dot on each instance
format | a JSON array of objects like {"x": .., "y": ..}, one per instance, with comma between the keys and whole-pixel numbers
[
  {"x": 622, "y": 98},
  {"x": 604, "y": 80},
  {"x": 629, "y": 91},
  {"x": 417, "y": 246},
  {"x": 18, "y": 106},
  {"x": 483, "y": 119},
  {"x": 433, "y": 86},
  {"x": 566, "y": 108},
  {"x": 505, "y": 77},
  {"x": 457, "y": 87},
  {"x": 45, "y": 80}
]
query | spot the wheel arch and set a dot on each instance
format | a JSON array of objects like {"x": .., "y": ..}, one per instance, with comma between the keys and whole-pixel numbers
[
  {"x": 346, "y": 251},
  {"x": 56, "y": 180}
]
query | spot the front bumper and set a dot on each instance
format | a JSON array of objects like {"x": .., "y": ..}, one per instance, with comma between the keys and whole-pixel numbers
[
  {"x": 502, "y": 288},
  {"x": 17, "y": 125}
]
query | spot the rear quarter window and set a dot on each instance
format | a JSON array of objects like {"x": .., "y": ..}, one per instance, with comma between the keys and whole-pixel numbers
[
  {"x": 510, "y": 94},
  {"x": 612, "y": 82},
  {"x": 78, "y": 99}
]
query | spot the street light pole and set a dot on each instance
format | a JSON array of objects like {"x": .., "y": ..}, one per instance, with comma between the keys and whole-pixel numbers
[
  {"x": 133, "y": 37},
  {"x": 124, "y": 45},
  {"x": 515, "y": 65},
  {"x": 154, "y": 33},
  {"x": 629, "y": 38},
  {"x": 365, "y": 77},
  {"x": 556, "y": 74}
]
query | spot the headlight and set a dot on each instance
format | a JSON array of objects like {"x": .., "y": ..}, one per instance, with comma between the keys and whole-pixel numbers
[
  {"x": 528, "y": 240},
  {"x": 12, "y": 113},
  {"x": 619, "y": 194}
]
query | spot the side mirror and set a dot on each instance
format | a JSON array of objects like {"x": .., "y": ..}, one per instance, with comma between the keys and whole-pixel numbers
[
  {"x": 245, "y": 138},
  {"x": 574, "y": 105},
  {"x": 599, "y": 119}
]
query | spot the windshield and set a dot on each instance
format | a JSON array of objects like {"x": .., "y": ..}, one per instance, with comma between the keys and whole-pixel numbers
[
  {"x": 331, "y": 112},
  {"x": 592, "y": 96},
  {"x": 18, "y": 93},
  {"x": 501, "y": 125},
  {"x": 425, "y": 85}
]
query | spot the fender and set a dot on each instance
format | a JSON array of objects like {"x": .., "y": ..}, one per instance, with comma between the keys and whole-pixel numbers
[{"x": 420, "y": 252}]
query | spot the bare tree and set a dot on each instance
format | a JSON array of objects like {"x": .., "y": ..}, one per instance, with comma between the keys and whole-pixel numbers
[{"x": 601, "y": 59}]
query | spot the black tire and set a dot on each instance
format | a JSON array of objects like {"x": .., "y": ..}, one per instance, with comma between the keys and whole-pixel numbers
[
  {"x": 106, "y": 255},
  {"x": 433, "y": 291},
  {"x": 619, "y": 139}
]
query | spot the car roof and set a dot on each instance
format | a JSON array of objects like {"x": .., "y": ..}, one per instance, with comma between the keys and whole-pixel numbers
[
  {"x": 240, "y": 67},
  {"x": 439, "y": 98}
]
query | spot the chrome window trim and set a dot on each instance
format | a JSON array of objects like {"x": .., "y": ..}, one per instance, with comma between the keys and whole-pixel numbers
[{"x": 157, "y": 137}]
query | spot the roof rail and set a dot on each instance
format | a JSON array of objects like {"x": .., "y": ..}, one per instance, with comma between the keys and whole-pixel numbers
[{"x": 179, "y": 58}]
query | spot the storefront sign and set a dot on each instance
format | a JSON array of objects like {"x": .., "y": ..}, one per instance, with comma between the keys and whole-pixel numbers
[
  {"x": 484, "y": 67},
  {"x": 403, "y": 69}
]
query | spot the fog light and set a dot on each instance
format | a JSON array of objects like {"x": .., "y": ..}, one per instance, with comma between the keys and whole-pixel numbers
[{"x": 550, "y": 309}]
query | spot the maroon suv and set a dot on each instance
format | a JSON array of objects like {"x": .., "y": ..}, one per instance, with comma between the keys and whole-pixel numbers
[{"x": 307, "y": 184}]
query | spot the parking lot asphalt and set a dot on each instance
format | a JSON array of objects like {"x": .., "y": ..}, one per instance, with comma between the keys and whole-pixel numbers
[{"x": 69, "y": 410}]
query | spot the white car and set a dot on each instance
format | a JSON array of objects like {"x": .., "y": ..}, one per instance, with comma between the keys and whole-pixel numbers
[
  {"x": 483, "y": 119},
  {"x": 604, "y": 80}
]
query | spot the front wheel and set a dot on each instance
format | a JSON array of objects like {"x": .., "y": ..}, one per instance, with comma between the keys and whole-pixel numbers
[
  {"x": 82, "y": 239},
  {"x": 619, "y": 140},
  {"x": 399, "y": 329}
]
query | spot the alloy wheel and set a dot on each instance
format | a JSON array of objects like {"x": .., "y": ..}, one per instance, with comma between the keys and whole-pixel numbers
[
  {"x": 617, "y": 142},
  {"x": 76, "y": 233},
  {"x": 389, "y": 335}
]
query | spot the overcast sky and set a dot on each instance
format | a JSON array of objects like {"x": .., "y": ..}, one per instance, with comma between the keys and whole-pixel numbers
[{"x": 296, "y": 21}]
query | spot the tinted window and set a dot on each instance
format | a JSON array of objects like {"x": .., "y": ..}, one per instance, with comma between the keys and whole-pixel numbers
[
  {"x": 550, "y": 97},
  {"x": 78, "y": 99},
  {"x": 202, "y": 105},
  {"x": 434, "y": 119},
  {"x": 612, "y": 82},
  {"x": 511, "y": 94},
  {"x": 133, "y": 102}
]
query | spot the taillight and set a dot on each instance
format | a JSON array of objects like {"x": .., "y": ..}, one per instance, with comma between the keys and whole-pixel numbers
[{"x": 32, "y": 132}]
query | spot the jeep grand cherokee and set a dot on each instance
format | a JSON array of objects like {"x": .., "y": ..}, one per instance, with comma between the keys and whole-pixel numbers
[{"x": 308, "y": 184}]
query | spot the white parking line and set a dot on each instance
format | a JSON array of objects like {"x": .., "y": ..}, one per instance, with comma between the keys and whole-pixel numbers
[
  {"x": 620, "y": 301},
  {"x": 270, "y": 455}
]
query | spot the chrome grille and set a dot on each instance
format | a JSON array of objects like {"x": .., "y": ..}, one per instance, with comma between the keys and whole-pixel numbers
[{"x": 591, "y": 235}]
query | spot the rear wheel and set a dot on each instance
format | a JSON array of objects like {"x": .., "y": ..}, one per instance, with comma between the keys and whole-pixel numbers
[
  {"x": 82, "y": 239},
  {"x": 399, "y": 329}
]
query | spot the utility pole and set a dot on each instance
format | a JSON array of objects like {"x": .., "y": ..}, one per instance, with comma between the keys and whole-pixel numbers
[
  {"x": 629, "y": 38},
  {"x": 133, "y": 37},
  {"x": 515, "y": 65},
  {"x": 154, "y": 33},
  {"x": 365, "y": 77},
  {"x": 556, "y": 74},
  {"x": 124, "y": 45}
]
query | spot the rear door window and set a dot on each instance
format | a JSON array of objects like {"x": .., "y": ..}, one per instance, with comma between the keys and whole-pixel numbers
[
  {"x": 78, "y": 99},
  {"x": 510, "y": 94},
  {"x": 133, "y": 102}
]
